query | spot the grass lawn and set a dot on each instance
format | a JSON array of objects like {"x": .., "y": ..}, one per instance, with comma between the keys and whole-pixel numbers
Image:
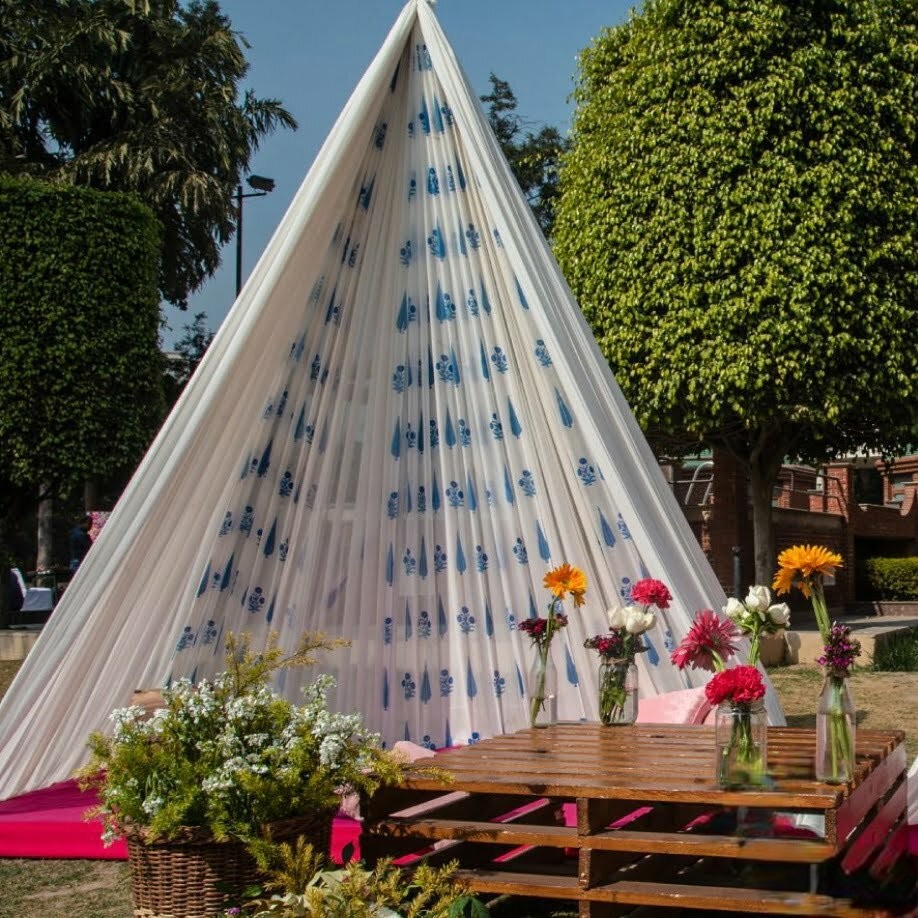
[{"x": 101, "y": 889}]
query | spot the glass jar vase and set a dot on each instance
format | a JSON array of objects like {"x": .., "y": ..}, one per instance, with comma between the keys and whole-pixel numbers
[
  {"x": 835, "y": 719},
  {"x": 618, "y": 692},
  {"x": 741, "y": 739},
  {"x": 542, "y": 691}
]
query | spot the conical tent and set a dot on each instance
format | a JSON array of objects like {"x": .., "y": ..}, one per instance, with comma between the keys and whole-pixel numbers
[{"x": 402, "y": 425}]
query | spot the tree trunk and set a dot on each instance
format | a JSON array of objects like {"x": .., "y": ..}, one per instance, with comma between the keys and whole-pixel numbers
[
  {"x": 45, "y": 555},
  {"x": 90, "y": 494}
]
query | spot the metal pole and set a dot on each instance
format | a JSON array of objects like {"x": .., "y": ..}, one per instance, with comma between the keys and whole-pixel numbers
[
  {"x": 238, "y": 239},
  {"x": 737, "y": 571}
]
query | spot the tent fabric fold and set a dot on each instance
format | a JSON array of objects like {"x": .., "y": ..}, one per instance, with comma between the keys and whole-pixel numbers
[{"x": 402, "y": 425}]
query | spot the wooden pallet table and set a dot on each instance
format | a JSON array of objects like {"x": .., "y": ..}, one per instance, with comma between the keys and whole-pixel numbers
[{"x": 652, "y": 828}]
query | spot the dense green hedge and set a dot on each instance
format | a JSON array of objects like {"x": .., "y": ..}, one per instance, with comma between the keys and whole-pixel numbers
[
  {"x": 894, "y": 578},
  {"x": 80, "y": 368}
]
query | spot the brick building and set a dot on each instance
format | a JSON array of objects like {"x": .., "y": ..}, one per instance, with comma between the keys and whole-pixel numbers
[{"x": 858, "y": 508}]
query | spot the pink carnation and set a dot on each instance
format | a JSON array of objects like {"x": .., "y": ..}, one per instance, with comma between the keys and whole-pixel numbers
[
  {"x": 740, "y": 685},
  {"x": 649, "y": 592},
  {"x": 707, "y": 644}
]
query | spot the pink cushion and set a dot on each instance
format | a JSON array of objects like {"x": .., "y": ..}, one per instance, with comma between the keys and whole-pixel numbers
[{"x": 684, "y": 706}]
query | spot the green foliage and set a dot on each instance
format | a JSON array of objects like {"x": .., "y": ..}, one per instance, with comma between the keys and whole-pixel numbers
[
  {"x": 533, "y": 157},
  {"x": 231, "y": 755},
  {"x": 739, "y": 220},
  {"x": 304, "y": 886},
  {"x": 894, "y": 578},
  {"x": 898, "y": 653},
  {"x": 141, "y": 97},
  {"x": 80, "y": 370}
]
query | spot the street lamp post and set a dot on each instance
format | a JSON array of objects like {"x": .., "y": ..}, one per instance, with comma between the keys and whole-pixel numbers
[{"x": 262, "y": 186}]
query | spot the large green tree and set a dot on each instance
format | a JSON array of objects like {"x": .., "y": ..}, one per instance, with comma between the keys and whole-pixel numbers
[
  {"x": 80, "y": 368},
  {"x": 739, "y": 219},
  {"x": 141, "y": 96},
  {"x": 533, "y": 156}
]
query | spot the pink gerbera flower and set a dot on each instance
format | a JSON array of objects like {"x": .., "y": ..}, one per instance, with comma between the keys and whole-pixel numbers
[{"x": 707, "y": 644}]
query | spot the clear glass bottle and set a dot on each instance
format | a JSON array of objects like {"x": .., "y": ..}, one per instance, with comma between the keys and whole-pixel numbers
[
  {"x": 618, "y": 691},
  {"x": 542, "y": 691},
  {"x": 835, "y": 720},
  {"x": 741, "y": 739}
]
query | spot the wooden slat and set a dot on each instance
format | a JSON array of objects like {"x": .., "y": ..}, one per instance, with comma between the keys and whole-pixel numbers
[
  {"x": 875, "y": 833},
  {"x": 788, "y": 850},
  {"x": 895, "y": 848},
  {"x": 840, "y": 824},
  {"x": 507, "y": 833},
  {"x": 723, "y": 899}
]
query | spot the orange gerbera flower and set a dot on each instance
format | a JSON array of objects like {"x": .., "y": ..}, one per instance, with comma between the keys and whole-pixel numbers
[
  {"x": 801, "y": 564},
  {"x": 566, "y": 579}
]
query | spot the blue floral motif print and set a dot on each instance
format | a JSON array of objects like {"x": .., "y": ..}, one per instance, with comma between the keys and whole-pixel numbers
[
  {"x": 465, "y": 435},
  {"x": 499, "y": 359},
  {"x": 256, "y": 600},
  {"x": 527, "y": 483},
  {"x": 436, "y": 243},
  {"x": 500, "y": 683},
  {"x": 421, "y": 504},
  {"x": 428, "y": 743},
  {"x": 434, "y": 433},
  {"x": 315, "y": 367},
  {"x": 258, "y": 534},
  {"x": 489, "y": 497},
  {"x": 410, "y": 562},
  {"x": 511, "y": 621},
  {"x": 412, "y": 182},
  {"x": 466, "y": 620},
  {"x": 669, "y": 642},
  {"x": 352, "y": 256},
  {"x": 309, "y": 433},
  {"x": 450, "y": 181},
  {"x": 210, "y": 632},
  {"x": 472, "y": 236},
  {"x": 623, "y": 527},
  {"x": 404, "y": 254},
  {"x": 285, "y": 489},
  {"x": 408, "y": 686},
  {"x": 387, "y": 631},
  {"x": 227, "y": 525},
  {"x": 433, "y": 183},
  {"x": 454, "y": 495},
  {"x": 447, "y": 371},
  {"x": 269, "y": 410},
  {"x": 423, "y": 56},
  {"x": 247, "y": 520},
  {"x": 186, "y": 638},
  {"x": 446, "y": 308},
  {"x": 471, "y": 302},
  {"x": 446, "y": 683},
  {"x": 439, "y": 559},
  {"x": 497, "y": 239},
  {"x": 379, "y": 138},
  {"x": 625, "y": 589},
  {"x": 282, "y": 550},
  {"x": 481, "y": 559},
  {"x": 411, "y": 437},
  {"x": 519, "y": 549},
  {"x": 541, "y": 353},
  {"x": 392, "y": 505},
  {"x": 424, "y": 118},
  {"x": 424, "y": 625},
  {"x": 401, "y": 378},
  {"x": 585, "y": 472},
  {"x": 447, "y": 114},
  {"x": 474, "y": 738},
  {"x": 496, "y": 427}
]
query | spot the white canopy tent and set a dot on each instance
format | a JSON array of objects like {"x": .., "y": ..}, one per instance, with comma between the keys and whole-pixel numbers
[{"x": 402, "y": 424}]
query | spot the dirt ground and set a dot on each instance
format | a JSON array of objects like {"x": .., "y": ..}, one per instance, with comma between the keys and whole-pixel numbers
[{"x": 101, "y": 889}]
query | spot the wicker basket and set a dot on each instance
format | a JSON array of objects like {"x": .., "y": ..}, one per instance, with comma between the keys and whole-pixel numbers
[{"x": 194, "y": 876}]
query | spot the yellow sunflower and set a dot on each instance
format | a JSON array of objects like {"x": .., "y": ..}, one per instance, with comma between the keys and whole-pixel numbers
[
  {"x": 801, "y": 564},
  {"x": 566, "y": 579}
]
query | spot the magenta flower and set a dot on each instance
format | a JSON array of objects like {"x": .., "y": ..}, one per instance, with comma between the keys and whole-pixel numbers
[
  {"x": 707, "y": 644},
  {"x": 650, "y": 592}
]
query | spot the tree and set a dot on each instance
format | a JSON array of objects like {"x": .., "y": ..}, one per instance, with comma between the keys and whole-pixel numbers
[
  {"x": 136, "y": 96},
  {"x": 533, "y": 158},
  {"x": 739, "y": 219},
  {"x": 80, "y": 368},
  {"x": 189, "y": 352}
]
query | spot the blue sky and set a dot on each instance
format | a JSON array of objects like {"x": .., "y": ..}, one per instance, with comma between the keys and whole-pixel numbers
[{"x": 311, "y": 54}]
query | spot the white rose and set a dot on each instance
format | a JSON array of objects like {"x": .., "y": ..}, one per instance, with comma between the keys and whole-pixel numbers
[
  {"x": 616, "y": 617},
  {"x": 734, "y": 609},
  {"x": 636, "y": 620},
  {"x": 780, "y": 614},
  {"x": 759, "y": 599}
]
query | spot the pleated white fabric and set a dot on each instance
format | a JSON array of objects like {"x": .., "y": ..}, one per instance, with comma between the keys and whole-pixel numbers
[{"x": 402, "y": 425}]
